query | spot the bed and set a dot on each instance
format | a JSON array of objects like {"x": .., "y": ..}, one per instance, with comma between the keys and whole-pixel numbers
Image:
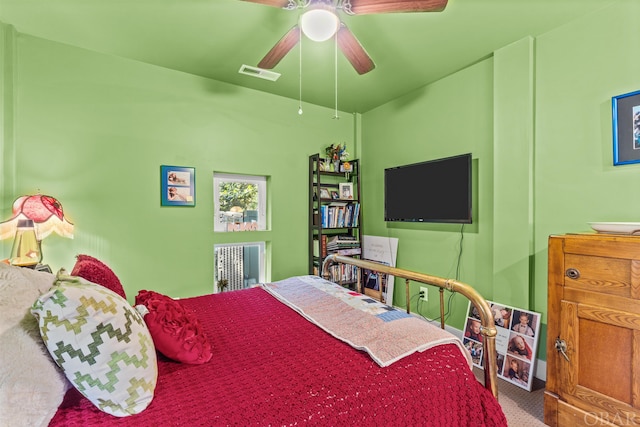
[{"x": 274, "y": 357}]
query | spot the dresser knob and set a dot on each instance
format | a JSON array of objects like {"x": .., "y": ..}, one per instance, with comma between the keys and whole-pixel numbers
[{"x": 572, "y": 273}]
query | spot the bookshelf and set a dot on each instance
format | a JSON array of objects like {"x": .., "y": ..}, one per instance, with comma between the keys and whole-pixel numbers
[{"x": 334, "y": 216}]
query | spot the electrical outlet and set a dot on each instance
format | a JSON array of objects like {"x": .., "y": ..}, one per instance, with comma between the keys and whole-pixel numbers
[{"x": 424, "y": 293}]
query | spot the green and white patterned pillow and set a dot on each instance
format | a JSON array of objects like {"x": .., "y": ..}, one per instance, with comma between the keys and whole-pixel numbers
[{"x": 101, "y": 343}]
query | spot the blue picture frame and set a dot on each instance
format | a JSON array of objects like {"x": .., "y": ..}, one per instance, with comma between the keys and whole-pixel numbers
[
  {"x": 177, "y": 186},
  {"x": 626, "y": 128}
]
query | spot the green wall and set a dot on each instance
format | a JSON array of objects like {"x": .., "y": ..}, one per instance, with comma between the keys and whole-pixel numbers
[
  {"x": 579, "y": 67},
  {"x": 537, "y": 118},
  {"x": 450, "y": 117},
  {"x": 92, "y": 130}
]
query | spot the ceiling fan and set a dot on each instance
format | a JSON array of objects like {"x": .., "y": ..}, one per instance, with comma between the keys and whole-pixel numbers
[{"x": 321, "y": 16}]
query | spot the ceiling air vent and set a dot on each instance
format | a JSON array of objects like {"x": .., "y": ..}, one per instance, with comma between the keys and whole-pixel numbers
[{"x": 259, "y": 72}]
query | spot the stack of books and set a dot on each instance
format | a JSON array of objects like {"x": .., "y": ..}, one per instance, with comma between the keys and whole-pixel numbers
[{"x": 344, "y": 245}]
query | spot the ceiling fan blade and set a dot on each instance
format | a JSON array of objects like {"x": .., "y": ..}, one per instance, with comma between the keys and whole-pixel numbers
[
  {"x": 284, "y": 45},
  {"x": 354, "y": 51},
  {"x": 274, "y": 3},
  {"x": 368, "y": 7}
]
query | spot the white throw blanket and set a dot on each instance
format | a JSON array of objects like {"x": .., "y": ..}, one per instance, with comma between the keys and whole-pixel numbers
[{"x": 385, "y": 333}]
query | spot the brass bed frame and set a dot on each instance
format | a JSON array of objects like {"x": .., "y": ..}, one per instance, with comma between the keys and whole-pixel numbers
[{"x": 488, "y": 329}]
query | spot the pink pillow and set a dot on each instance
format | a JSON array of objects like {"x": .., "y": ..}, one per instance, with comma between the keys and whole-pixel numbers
[
  {"x": 97, "y": 272},
  {"x": 176, "y": 332}
]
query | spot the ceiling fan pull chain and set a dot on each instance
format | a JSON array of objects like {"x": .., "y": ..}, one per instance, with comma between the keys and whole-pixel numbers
[
  {"x": 335, "y": 69},
  {"x": 300, "y": 74}
]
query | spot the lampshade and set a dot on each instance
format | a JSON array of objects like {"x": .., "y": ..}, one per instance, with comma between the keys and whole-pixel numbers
[
  {"x": 46, "y": 214},
  {"x": 319, "y": 24}
]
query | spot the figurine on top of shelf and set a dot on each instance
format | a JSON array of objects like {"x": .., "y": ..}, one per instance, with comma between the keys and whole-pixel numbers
[{"x": 335, "y": 153}]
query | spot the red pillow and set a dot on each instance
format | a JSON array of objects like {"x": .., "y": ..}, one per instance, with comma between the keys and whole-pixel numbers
[
  {"x": 97, "y": 272},
  {"x": 176, "y": 332}
]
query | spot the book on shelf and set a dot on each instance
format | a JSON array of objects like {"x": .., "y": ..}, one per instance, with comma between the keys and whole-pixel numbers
[
  {"x": 340, "y": 214},
  {"x": 320, "y": 246},
  {"x": 342, "y": 273},
  {"x": 348, "y": 244},
  {"x": 347, "y": 251},
  {"x": 342, "y": 238},
  {"x": 323, "y": 246}
]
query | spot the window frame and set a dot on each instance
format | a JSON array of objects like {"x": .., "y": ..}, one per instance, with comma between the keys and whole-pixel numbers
[
  {"x": 262, "y": 250},
  {"x": 259, "y": 180}
]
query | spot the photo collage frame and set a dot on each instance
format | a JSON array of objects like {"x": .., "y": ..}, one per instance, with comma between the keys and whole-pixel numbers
[{"x": 516, "y": 342}]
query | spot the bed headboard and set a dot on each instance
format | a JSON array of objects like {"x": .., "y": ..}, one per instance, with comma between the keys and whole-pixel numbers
[{"x": 486, "y": 316}]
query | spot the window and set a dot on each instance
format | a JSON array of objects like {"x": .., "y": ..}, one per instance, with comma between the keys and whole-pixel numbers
[
  {"x": 240, "y": 202},
  {"x": 238, "y": 266}
]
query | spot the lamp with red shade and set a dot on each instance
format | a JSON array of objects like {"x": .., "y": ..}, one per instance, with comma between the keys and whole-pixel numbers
[{"x": 33, "y": 219}]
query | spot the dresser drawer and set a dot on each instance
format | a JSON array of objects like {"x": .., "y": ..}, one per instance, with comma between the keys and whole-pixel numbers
[{"x": 610, "y": 276}]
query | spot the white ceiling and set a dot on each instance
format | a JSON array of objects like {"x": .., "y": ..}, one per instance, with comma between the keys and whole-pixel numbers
[{"x": 213, "y": 38}]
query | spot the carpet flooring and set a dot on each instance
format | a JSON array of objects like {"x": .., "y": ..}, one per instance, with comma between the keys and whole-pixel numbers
[{"x": 521, "y": 407}]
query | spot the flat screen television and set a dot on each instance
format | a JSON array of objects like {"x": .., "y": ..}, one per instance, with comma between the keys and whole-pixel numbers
[{"x": 433, "y": 191}]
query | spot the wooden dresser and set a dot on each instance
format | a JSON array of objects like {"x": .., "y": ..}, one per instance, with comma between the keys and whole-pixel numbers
[{"x": 593, "y": 342}]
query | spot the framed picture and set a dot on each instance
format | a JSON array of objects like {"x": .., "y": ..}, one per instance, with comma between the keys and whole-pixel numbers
[
  {"x": 324, "y": 193},
  {"x": 626, "y": 128},
  {"x": 346, "y": 190},
  {"x": 177, "y": 186},
  {"x": 335, "y": 195},
  {"x": 517, "y": 341}
]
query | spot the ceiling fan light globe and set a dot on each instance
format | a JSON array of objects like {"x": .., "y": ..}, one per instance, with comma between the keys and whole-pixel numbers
[{"x": 319, "y": 24}]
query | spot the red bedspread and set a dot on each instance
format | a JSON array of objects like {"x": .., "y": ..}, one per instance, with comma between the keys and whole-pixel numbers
[{"x": 272, "y": 367}]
